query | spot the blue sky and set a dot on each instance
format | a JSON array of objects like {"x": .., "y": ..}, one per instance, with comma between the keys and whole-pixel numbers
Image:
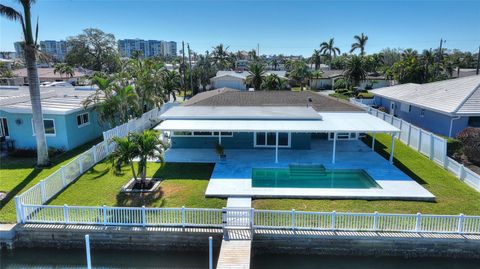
[{"x": 287, "y": 27}]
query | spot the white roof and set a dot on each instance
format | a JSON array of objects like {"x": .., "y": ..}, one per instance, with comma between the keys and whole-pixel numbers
[
  {"x": 453, "y": 96},
  {"x": 244, "y": 74},
  {"x": 331, "y": 122},
  {"x": 61, "y": 100},
  {"x": 241, "y": 112}
]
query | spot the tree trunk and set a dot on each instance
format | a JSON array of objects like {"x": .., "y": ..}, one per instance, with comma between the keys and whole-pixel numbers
[{"x": 34, "y": 88}]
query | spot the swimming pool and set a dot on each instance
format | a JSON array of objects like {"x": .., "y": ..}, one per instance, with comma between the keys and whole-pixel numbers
[{"x": 312, "y": 176}]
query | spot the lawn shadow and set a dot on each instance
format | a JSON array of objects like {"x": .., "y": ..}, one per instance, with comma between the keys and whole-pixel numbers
[
  {"x": 385, "y": 153},
  {"x": 195, "y": 171},
  {"x": 140, "y": 199}
]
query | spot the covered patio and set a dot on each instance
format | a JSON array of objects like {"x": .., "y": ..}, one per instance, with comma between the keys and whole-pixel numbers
[{"x": 233, "y": 177}]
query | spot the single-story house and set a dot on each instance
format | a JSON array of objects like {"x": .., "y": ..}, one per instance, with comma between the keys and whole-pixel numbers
[
  {"x": 67, "y": 123},
  {"x": 47, "y": 74},
  {"x": 285, "y": 144},
  {"x": 237, "y": 79},
  {"x": 443, "y": 107},
  {"x": 327, "y": 80}
]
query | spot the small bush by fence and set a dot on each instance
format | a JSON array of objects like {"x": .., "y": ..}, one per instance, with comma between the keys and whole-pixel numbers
[{"x": 427, "y": 143}]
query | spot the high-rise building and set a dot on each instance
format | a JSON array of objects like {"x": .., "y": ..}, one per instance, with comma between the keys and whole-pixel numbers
[
  {"x": 56, "y": 49},
  {"x": 149, "y": 48},
  {"x": 19, "y": 49}
]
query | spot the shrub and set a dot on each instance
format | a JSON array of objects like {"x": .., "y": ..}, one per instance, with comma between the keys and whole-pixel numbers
[
  {"x": 340, "y": 83},
  {"x": 454, "y": 147},
  {"x": 470, "y": 138},
  {"x": 382, "y": 109},
  {"x": 365, "y": 95}
]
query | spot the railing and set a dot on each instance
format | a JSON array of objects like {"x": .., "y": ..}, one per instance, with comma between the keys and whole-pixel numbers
[
  {"x": 427, "y": 143},
  {"x": 249, "y": 217},
  {"x": 56, "y": 182}
]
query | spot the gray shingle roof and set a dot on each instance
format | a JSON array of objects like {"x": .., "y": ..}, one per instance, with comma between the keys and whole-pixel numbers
[{"x": 225, "y": 97}]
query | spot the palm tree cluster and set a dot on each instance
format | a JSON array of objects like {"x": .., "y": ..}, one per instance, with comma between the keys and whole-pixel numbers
[
  {"x": 260, "y": 80},
  {"x": 142, "y": 84},
  {"x": 64, "y": 69}
]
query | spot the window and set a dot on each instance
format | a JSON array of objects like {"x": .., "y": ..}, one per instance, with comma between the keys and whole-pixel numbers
[
  {"x": 269, "y": 139},
  {"x": 82, "y": 120},
  {"x": 49, "y": 125},
  {"x": 474, "y": 121},
  {"x": 4, "y": 128},
  {"x": 422, "y": 113},
  {"x": 344, "y": 136},
  {"x": 405, "y": 107},
  {"x": 202, "y": 134}
]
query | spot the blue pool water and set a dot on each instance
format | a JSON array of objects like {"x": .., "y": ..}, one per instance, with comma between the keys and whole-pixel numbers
[{"x": 312, "y": 176}]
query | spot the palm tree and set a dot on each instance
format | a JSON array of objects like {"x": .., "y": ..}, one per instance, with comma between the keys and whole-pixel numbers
[
  {"x": 124, "y": 153},
  {"x": 409, "y": 53},
  {"x": 355, "y": 70},
  {"x": 329, "y": 47},
  {"x": 59, "y": 68},
  {"x": 316, "y": 58},
  {"x": 149, "y": 146},
  {"x": 256, "y": 75},
  {"x": 274, "y": 63},
  {"x": 30, "y": 51},
  {"x": 68, "y": 70},
  {"x": 220, "y": 56},
  {"x": 205, "y": 70},
  {"x": 171, "y": 84},
  {"x": 273, "y": 82},
  {"x": 360, "y": 44},
  {"x": 300, "y": 72}
]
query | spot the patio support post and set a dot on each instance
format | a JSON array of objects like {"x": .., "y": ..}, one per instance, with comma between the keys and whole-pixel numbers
[
  {"x": 276, "y": 147},
  {"x": 392, "y": 147},
  {"x": 334, "y": 147},
  {"x": 219, "y": 138},
  {"x": 373, "y": 141}
]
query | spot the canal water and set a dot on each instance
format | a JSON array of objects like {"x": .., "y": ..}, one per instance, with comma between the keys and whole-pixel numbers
[{"x": 53, "y": 258}]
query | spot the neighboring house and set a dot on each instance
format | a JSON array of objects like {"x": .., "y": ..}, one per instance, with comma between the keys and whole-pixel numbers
[
  {"x": 67, "y": 123},
  {"x": 48, "y": 74},
  {"x": 237, "y": 79},
  {"x": 326, "y": 81},
  {"x": 444, "y": 107},
  {"x": 375, "y": 81}
]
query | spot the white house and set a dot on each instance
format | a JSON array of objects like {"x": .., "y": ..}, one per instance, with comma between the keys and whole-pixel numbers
[{"x": 237, "y": 79}]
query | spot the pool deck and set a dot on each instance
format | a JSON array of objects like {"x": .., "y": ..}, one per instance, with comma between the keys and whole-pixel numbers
[{"x": 232, "y": 178}]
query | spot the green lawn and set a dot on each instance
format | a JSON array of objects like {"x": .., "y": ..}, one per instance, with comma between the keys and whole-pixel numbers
[
  {"x": 19, "y": 174},
  {"x": 452, "y": 195},
  {"x": 184, "y": 185},
  {"x": 339, "y": 96}
]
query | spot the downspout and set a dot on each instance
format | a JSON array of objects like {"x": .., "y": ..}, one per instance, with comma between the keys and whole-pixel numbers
[{"x": 451, "y": 125}]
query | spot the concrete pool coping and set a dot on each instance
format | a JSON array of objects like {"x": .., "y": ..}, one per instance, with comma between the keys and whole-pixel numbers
[{"x": 232, "y": 178}]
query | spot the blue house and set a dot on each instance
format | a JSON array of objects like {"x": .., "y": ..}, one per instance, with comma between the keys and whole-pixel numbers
[
  {"x": 444, "y": 107},
  {"x": 67, "y": 122}
]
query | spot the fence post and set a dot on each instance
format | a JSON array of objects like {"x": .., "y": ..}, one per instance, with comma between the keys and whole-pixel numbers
[
  {"x": 293, "y": 219},
  {"x": 461, "y": 172},
  {"x": 105, "y": 136},
  {"x": 19, "y": 207},
  {"x": 332, "y": 218},
  {"x": 252, "y": 219},
  {"x": 409, "y": 134},
  {"x": 104, "y": 215},
  {"x": 419, "y": 147},
  {"x": 65, "y": 213},
  {"x": 94, "y": 150},
  {"x": 64, "y": 180},
  {"x": 43, "y": 191},
  {"x": 445, "y": 155},
  {"x": 460, "y": 223},
  {"x": 375, "y": 221},
  {"x": 144, "y": 219},
  {"x": 183, "y": 217},
  {"x": 432, "y": 146},
  {"x": 80, "y": 164},
  {"x": 418, "y": 222}
]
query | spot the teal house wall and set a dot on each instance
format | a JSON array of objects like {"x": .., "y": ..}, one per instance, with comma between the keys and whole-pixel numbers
[
  {"x": 67, "y": 133},
  {"x": 237, "y": 141}
]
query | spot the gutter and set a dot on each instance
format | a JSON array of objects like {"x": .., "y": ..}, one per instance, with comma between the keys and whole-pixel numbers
[{"x": 451, "y": 125}]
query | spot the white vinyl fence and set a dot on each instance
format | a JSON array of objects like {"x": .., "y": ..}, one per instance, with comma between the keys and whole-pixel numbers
[
  {"x": 53, "y": 184},
  {"x": 262, "y": 219},
  {"x": 427, "y": 143}
]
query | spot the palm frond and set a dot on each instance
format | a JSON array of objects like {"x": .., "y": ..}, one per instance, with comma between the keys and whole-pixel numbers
[{"x": 13, "y": 15}]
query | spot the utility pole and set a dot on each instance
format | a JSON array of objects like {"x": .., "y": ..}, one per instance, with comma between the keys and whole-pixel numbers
[
  {"x": 183, "y": 71},
  {"x": 478, "y": 60},
  {"x": 190, "y": 71},
  {"x": 439, "y": 56}
]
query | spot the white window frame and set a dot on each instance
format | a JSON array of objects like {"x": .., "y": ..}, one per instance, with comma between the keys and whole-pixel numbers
[
  {"x": 404, "y": 107},
  {"x": 212, "y": 134},
  {"x": 344, "y": 136},
  {"x": 54, "y": 128},
  {"x": 255, "y": 145},
  {"x": 81, "y": 119},
  {"x": 3, "y": 127}
]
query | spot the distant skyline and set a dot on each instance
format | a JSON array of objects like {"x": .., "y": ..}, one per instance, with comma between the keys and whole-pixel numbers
[{"x": 280, "y": 27}]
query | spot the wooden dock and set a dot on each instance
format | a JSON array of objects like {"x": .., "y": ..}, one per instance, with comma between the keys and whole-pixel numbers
[{"x": 235, "y": 254}]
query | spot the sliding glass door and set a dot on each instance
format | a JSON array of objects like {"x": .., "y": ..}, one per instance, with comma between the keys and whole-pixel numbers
[{"x": 268, "y": 140}]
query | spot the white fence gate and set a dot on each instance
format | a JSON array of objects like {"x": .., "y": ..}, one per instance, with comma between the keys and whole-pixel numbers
[{"x": 427, "y": 143}]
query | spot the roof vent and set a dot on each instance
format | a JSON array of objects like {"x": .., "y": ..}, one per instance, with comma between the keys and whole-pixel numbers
[{"x": 309, "y": 101}]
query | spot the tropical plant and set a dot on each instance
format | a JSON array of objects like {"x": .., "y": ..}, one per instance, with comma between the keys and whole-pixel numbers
[
  {"x": 171, "y": 84},
  {"x": 30, "y": 53},
  {"x": 205, "y": 70},
  {"x": 360, "y": 43},
  {"x": 329, "y": 48},
  {"x": 146, "y": 76},
  {"x": 355, "y": 71},
  {"x": 316, "y": 58},
  {"x": 300, "y": 73},
  {"x": 256, "y": 75},
  {"x": 220, "y": 56},
  {"x": 63, "y": 69},
  {"x": 273, "y": 82}
]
